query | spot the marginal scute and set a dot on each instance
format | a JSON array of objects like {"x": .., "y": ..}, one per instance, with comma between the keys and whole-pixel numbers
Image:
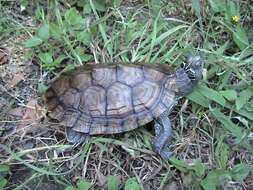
[
  {"x": 71, "y": 98},
  {"x": 58, "y": 113},
  {"x": 51, "y": 99},
  {"x": 168, "y": 99},
  {"x": 119, "y": 100},
  {"x": 61, "y": 85},
  {"x": 83, "y": 124},
  {"x": 81, "y": 81},
  {"x": 130, "y": 75},
  {"x": 94, "y": 101},
  {"x": 104, "y": 76},
  {"x": 170, "y": 84},
  {"x": 153, "y": 75},
  {"x": 158, "y": 110},
  {"x": 70, "y": 118},
  {"x": 144, "y": 118},
  {"x": 145, "y": 95},
  {"x": 130, "y": 121}
]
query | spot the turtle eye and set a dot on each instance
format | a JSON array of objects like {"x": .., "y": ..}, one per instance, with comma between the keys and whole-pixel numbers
[
  {"x": 191, "y": 73},
  {"x": 182, "y": 65}
]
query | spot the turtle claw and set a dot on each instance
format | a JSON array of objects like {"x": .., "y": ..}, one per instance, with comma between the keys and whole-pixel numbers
[
  {"x": 75, "y": 137},
  {"x": 165, "y": 153}
]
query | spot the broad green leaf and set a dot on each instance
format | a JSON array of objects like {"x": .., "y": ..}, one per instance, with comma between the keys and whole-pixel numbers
[
  {"x": 83, "y": 56},
  {"x": 39, "y": 13},
  {"x": 58, "y": 60},
  {"x": 153, "y": 37},
  {"x": 55, "y": 31},
  {"x": 213, "y": 179},
  {"x": 23, "y": 5},
  {"x": 70, "y": 188},
  {"x": 229, "y": 94},
  {"x": 169, "y": 32},
  {"x": 232, "y": 8},
  {"x": 196, "y": 7},
  {"x": 180, "y": 165},
  {"x": 199, "y": 168},
  {"x": 240, "y": 171},
  {"x": 212, "y": 95},
  {"x": 243, "y": 98},
  {"x": 83, "y": 185},
  {"x": 217, "y": 5},
  {"x": 33, "y": 42},
  {"x": 222, "y": 153},
  {"x": 112, "y": 183},
  {"x": 249, "y": 106},
  {"x": 84, "y": 37},
  {"x": 240, "y": 38},
  {"x": 73, "y": 17},
  {"x": 225, "y": 78},
  {"x": 245, "y": 113},
  {"x": 86, "y": 8},
  {"x": 230, "y": 11},
  {"x": 227, "y": 123},
  {"x": 116, "y": 3},
  {"x": 198, "y": 98},
  {"x": 100, "y": 5},
  {"x": 3, "y": 183},
  {"x": 4, "y": 168},
  {"x": 46, "y": 58},
  {"x": 132, "y": 184},
  {"x": 43, "y": 32},
  {"x": 102, "y": 28},
  {"x": 42, "y": 88},
  {"x": 222, "y": 48},
  {"x": 155, "y": 7}
]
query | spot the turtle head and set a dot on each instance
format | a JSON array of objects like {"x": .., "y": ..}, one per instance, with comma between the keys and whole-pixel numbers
[
  {"x": 188, "y": 75},
  {"x": 193, "y": 68}
]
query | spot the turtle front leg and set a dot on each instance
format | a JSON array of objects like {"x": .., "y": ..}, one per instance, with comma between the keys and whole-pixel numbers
[
  {"x": 76, "y": 137},
  {"x": 163, "y": 134}
]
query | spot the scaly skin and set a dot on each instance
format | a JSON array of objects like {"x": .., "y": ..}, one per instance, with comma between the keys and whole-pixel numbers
[
  {"x": 76, "y": 137},
  {"x": 163, "y": 133}
]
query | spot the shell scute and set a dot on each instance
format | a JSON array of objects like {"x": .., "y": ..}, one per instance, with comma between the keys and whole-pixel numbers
[
  {"x": 81, "y": 81},
  {"x": 71, "y": 98},
  {"x": 83, "y": 124},
  {"x": 70, "y": 118},
  {"x": 119, "y": 100},
  {"x": 153, "y": 74},
  {"x": 145, "y": 95},
  {"x": 129, "y": 75},
  {"x": 168, "y": 99},
  {"x": 60, "y": 85},
  {"x": 93, "y": 101},
  {"x": 104, "y": 76}
]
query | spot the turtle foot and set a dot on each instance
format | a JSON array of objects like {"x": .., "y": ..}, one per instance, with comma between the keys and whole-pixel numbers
[
  {"x": 75, "y": 137},
  {"x": 166, "y": 153}
]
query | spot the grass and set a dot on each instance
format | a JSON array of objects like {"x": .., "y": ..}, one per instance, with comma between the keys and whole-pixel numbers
[{"x": 212, "y": 127}]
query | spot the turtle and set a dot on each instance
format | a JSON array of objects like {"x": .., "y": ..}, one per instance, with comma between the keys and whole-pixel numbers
[{"x": 113, "y": 98}]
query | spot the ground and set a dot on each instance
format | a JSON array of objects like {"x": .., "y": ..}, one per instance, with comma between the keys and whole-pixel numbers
[{"x": 212, "y": 138}]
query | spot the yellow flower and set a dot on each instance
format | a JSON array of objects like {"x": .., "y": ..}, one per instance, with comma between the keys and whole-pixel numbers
[{"x": 235, "y": 19}]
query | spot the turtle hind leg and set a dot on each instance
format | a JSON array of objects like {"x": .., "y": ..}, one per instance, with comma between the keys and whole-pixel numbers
[
  {"x": 163, "y": 134},
  {"x": 75, "y": 137},
  {"x": 166, "y": 153}
]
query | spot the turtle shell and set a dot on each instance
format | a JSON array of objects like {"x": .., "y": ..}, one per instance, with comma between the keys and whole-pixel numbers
[{"x": 107, "y": 99}]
